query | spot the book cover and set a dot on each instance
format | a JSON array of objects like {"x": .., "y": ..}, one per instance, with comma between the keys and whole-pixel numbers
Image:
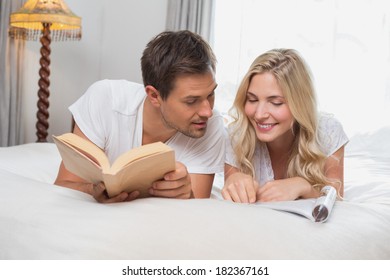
[{"x": 134, "y": 170}]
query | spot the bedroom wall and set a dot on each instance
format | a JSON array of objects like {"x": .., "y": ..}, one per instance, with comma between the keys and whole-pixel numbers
[{"x": 113, "y": 39}]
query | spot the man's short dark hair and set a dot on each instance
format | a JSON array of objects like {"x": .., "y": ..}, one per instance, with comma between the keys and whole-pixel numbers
[{"x": 172, "y": 54}]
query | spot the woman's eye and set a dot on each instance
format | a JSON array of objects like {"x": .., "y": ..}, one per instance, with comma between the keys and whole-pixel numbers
[
  {"x": 251, "y": 100},
  {"x": 277, "y": 103}
]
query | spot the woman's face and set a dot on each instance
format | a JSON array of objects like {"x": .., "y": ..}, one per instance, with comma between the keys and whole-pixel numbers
[{"x": 267, "y": 110}]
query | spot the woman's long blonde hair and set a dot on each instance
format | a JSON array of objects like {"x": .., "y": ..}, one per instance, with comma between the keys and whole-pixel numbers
[{"x": 306, "y": 159}]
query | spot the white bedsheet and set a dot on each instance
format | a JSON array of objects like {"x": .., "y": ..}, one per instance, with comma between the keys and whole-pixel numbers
[{"x": 39, "y": 220}]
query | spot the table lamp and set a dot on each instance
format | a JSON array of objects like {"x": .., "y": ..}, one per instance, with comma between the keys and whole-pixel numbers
[{"x": 45, "y": 20}]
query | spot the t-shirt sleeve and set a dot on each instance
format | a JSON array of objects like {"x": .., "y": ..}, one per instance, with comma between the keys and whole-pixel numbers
[
  {"x": 331, "y": 134},
  {"x": 91, "y": 112},
  {"x": 230, "y": 156}
]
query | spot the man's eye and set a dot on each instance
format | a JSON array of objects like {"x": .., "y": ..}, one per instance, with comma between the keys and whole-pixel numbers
[{"x": 190, "y": 102}]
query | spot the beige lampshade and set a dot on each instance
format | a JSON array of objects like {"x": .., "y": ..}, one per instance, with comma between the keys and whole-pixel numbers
[{"x": 26, "y": 23}]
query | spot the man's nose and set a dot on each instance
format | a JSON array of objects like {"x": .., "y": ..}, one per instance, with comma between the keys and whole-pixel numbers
[{"x": 206, "y": 109}]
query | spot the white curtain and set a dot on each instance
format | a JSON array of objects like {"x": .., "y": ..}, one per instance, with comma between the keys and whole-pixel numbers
[
  {"x": 193, "y": 15},
  {"x": 11, "y": 58},
  {"x": 345, "y": 42}
]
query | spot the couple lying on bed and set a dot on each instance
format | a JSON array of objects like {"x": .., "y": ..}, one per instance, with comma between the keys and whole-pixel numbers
[{"x": 278, "y": 146}]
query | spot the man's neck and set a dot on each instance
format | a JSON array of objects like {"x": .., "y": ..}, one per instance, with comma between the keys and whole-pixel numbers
[{"x": 153, "y": 127}]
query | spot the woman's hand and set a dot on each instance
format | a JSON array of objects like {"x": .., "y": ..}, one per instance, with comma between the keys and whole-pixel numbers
[
  {"x": 240, "y": 187},
  {"x": 285, "y": 189}
]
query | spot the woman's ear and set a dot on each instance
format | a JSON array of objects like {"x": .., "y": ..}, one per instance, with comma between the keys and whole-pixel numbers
[{"x": 154, "y": 95}]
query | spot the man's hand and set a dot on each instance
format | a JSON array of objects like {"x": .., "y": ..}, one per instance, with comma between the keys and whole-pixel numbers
[
  {"x": 176, "y": 184},
  {"x": 100, "y": 194}
]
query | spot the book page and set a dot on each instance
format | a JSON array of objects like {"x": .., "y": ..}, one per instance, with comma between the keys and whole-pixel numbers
[
  {"x": 140, "y": 174},
  {"x": 79, "y": 164},
  {"x": 136, "y": 154},
  {"x": 85, "y": 147}
]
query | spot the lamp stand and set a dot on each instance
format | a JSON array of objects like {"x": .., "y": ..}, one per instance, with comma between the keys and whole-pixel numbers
[{"x": 44, "y": 83}]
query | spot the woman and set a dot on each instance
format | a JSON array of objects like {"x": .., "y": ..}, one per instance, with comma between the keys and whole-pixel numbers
[{"x": 280, "y": 147}]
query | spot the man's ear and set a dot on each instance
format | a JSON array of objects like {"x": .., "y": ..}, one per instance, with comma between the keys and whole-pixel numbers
[{"x": 154, "y": 95}]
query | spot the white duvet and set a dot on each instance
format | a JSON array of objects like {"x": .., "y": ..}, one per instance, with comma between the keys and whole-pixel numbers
[{"x": 39, "y": 220}]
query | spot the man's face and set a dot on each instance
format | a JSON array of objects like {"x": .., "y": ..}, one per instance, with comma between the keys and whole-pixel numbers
[{"x": 190, "y": 104}]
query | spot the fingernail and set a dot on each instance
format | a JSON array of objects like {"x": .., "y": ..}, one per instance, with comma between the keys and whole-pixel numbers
[
  {"x": 134, "y": 194},
  {"x": 124, "y": 195}
]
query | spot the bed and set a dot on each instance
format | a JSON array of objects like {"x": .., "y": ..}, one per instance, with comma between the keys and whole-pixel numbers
[{"x": 39, "y": 220}]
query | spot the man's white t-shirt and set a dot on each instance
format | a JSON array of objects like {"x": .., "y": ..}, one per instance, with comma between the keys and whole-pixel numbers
[
  {"x": 331, "y": 135},
  {"x": 110, "y": 114}
]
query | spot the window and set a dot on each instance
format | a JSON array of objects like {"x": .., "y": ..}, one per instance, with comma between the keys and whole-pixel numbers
[{"x": 345, "y": 43}]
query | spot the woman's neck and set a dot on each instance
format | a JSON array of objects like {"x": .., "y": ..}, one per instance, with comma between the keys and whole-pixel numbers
[
  {"x": 279, "y": 153},
  {"x": 282, "y": 145}
]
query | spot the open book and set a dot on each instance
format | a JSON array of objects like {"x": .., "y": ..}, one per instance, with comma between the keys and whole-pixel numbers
[
  {"x": 316, "y": 210},
  {"x": 134, "y": 170}
]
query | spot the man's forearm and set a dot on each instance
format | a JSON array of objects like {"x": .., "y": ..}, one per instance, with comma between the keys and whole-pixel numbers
[{"x": 79, "y": 186}]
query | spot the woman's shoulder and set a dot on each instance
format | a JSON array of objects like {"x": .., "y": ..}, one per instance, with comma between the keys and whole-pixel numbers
[
  {"x": 331, "y": 133},
  {"x": 328, "y": 122}
]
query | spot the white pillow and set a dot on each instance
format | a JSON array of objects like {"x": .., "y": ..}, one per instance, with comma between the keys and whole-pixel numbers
[{"x": 38, "y": 161}]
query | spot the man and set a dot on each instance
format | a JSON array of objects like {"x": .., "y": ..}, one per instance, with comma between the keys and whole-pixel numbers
[{"x": 174, "y": 106}]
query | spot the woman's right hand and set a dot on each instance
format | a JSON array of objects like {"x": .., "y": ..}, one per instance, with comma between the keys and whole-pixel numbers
[{"x": 240, "y": 187}]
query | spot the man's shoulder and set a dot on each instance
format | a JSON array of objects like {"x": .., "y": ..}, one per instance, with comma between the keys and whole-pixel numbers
[
  {"x": 118, "y": 84},
  {"x": 215, "y": 125},
  {"x": 125, "y": 96},
  {"x": 108, "y": 87},
  {"x": 216, "y": 117}
]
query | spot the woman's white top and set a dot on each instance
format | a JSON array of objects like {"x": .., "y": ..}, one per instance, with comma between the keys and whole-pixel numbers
[{"x": 331, "y": 135}]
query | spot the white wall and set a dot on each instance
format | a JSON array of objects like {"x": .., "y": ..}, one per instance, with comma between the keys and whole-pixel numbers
[{"x": 114, "y": 36}]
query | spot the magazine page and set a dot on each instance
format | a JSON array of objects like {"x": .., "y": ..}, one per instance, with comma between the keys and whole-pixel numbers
[
  {"x": 302, "y": 207},
  {"x": 316, "y": 210}
]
